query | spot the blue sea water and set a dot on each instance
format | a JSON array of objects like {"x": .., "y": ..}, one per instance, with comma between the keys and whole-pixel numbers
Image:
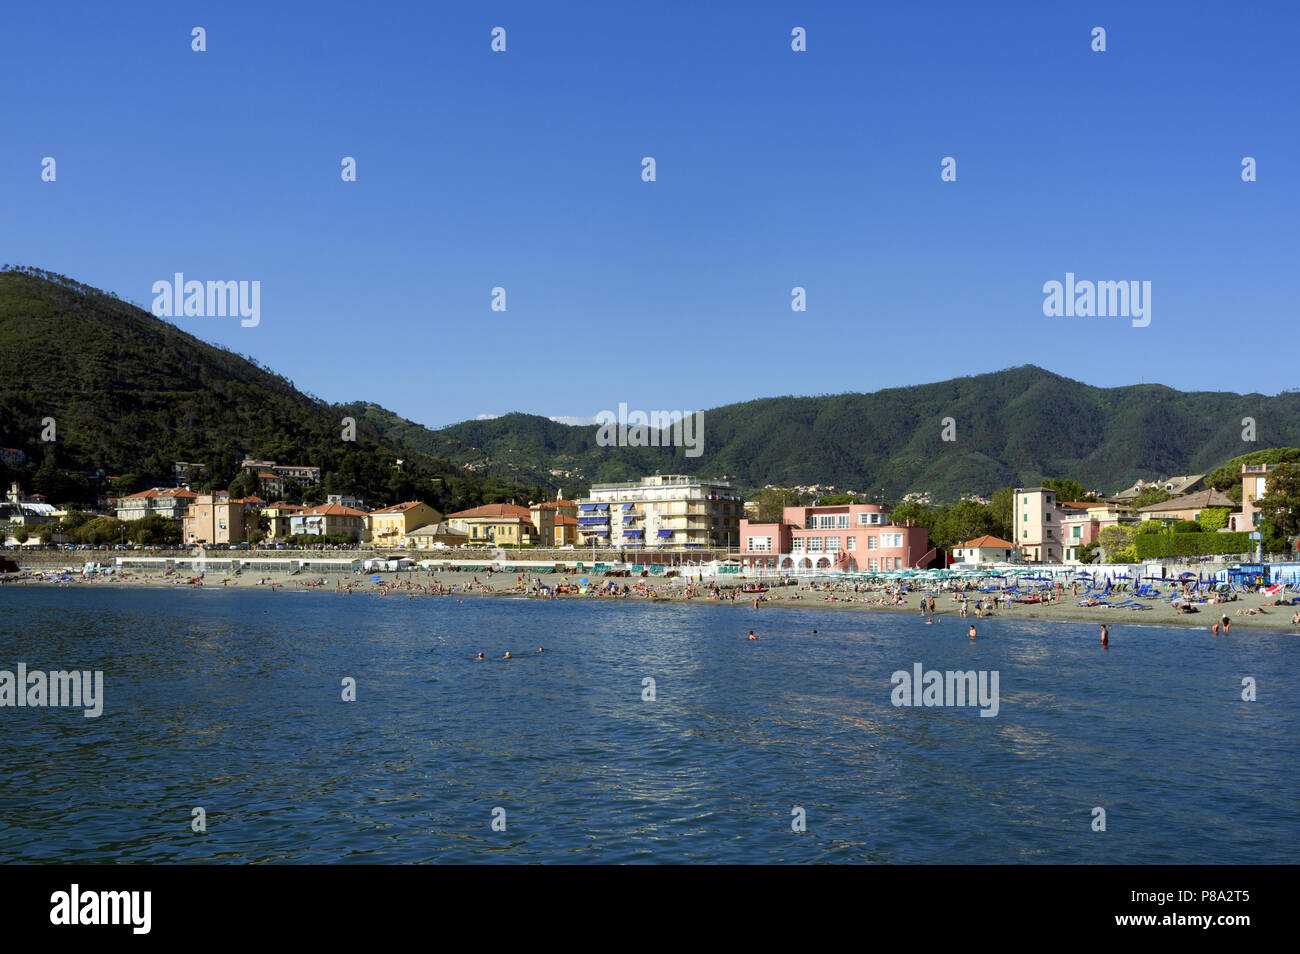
[{"x": 232, "y": 701}]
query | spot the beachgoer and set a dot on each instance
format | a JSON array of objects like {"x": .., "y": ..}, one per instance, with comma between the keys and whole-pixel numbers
[
  {"x": 971, "y": 634},
  {"x": 1105, "y": 635}
]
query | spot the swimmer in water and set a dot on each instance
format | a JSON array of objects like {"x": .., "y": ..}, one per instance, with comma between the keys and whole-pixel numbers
[
  {"x": 539, "y": 649},
  {"x": 972, "y": 631},
  {"x": 480, "y": 655},
  {"x": 930, "y": 621},
  {"x": 752, "y": 636},
  {"x": 1215, "y": 628},
  {"x": 814, "y": 632},
  {"x": 1105, "y": 636},
  {"x": 506, "y": 656}
]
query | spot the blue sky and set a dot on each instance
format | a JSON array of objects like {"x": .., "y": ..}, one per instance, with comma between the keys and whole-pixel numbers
[{"x": 522, "y": 169}]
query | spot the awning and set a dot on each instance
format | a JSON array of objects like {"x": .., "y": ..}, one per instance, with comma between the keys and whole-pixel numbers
[
  {"x": 586, "y": 506},
  {"x": 627, "y": 506},
  {"x": 587, "y": 521},
  {"x": 633, "y": 533},
  {"x": 665, "y": 533}
]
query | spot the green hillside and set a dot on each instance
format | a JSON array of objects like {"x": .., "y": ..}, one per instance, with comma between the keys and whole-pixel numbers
[{"x": 130, "y": 394}]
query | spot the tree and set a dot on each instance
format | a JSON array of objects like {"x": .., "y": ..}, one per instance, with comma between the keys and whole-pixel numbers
[
  {"x": 963, "y": 521},
  {"x": 1002, "y": 504},
  {"x": 1088, "y": 552},
  {"x": 771, "y": 500},
  {"x": 915, "y": 513},
  {"x": 1116, "y": 541},
  {"x": 1213, "y": 519},
  {"x": 1069, "y": 490},
  {"x": 1281, "y": 500}
]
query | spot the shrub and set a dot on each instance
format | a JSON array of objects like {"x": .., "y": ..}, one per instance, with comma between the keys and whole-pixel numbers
[{"x": 1151, "y": 546}]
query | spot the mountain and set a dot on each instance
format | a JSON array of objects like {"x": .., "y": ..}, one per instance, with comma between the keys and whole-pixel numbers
[
  {"x": 130, "y": 394},
  {"x": 1013, "y": 427}
]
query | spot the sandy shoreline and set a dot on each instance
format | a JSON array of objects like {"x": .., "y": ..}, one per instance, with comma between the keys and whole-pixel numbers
[{"x": 658, "y": 591}]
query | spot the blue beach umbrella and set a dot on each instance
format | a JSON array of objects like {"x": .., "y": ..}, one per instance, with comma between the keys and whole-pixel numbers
[{"x": 376, "y": 579}]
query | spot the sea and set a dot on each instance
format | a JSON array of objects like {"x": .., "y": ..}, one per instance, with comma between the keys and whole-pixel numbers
[{"x": 250, "y": 727}]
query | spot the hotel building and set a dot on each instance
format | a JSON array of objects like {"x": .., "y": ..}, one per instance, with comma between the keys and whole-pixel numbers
[
  {"x": 669, "y": 510},
  {"x": 840, "y": 537}
]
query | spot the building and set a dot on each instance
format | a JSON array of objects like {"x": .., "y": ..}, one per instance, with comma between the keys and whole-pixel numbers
[
  {"x": 1188, "y": 507},
  {"x": 499, "y": 525},
  {"x": 436, "y": 536},
  {"x": 329, "y": 520},
  {"x": 1082, "y": 523},
  {"x": 664, "y": 510},
  {"x": 181, "y": 468},
  {"x": 556, "y": 522},
  {"x": 346, "y": 500},
  {"x": 392, "y": 526},
  {"x": 1254, "y": 484},
  {"x": 278, "y": 516},
  {"x": 157, "y": 501},
  {"x": 19, "y": 513},
  {"x": 216, "y": 518},
  {"x": 298, "y": 474},
  {"x": 12, "y": 456},
  {"x": 1035, "y": 519},
  {"x": 270, "y": 484},
  {"x": 1176, "y": 486},
  {"x": 839, "y": 537},
  {"x": 985, "y": 549}
]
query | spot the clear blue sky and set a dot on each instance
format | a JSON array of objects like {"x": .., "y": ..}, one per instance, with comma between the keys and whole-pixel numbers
[{"x": 775, "y": 169}]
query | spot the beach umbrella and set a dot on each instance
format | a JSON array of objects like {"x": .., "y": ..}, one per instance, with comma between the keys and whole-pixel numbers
[
  {"x": 376, "y": 579},
  {"x": 583, "y": 580}
]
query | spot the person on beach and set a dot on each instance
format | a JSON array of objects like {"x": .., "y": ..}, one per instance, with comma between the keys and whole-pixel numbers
[
  {"x": 1226, "y": 623},
  {"x": 1105, "y": 636}
]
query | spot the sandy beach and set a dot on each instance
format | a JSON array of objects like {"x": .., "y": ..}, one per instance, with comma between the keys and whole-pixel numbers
[{"x": 1250, "y": 611}]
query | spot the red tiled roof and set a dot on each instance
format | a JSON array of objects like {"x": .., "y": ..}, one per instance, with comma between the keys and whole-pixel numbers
[
  {"x": 988, "y": 540},
  {"x": 495, "y": 510},
  {"x": 401, "y": 507},
  {"x": 333, "y": 510}
]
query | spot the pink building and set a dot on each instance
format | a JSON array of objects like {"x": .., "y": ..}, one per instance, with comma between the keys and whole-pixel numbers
[{"x": 841, "y": 537}]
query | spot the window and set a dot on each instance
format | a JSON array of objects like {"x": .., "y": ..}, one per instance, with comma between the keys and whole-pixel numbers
[
  {"x": 843, "y": 522},
  {"x": 832, "y": 544},
  {"x": 1025, "y": 534},
  {"x": 871, "y": 543},
  {"x": 863, "y": 519},
  {"x": 1047, "y": 517},
  {"x": 1078, "y": 533},
  {"x": 796, "y": 545},
  {"x": 1049, "y": 532},
  {"x": 1024, "y": 518},
  {"x": 891, "y": 540},
  {"x": 872, "y": 564},
  {"x": 853, "y": 543},
  {"x": 814, "y": 544}
]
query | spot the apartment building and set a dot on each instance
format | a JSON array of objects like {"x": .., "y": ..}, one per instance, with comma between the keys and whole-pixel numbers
[
  {"x": 841, "y": 537},
  {"x": 216, "y": 518},
  {"x": 392, "y": 526},
  {"x": 664, "y": 510}
]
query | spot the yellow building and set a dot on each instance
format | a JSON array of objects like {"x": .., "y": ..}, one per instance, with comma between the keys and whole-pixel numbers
[
  {"x": 502, "y": 525},
  {"x": 215, "y": 518},
  {"x": 392, "y": 526},
  {"x": 556, "y": 522}
]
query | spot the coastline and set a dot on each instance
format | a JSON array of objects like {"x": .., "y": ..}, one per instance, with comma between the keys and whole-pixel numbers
[{"x": 460, "y": 586}]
